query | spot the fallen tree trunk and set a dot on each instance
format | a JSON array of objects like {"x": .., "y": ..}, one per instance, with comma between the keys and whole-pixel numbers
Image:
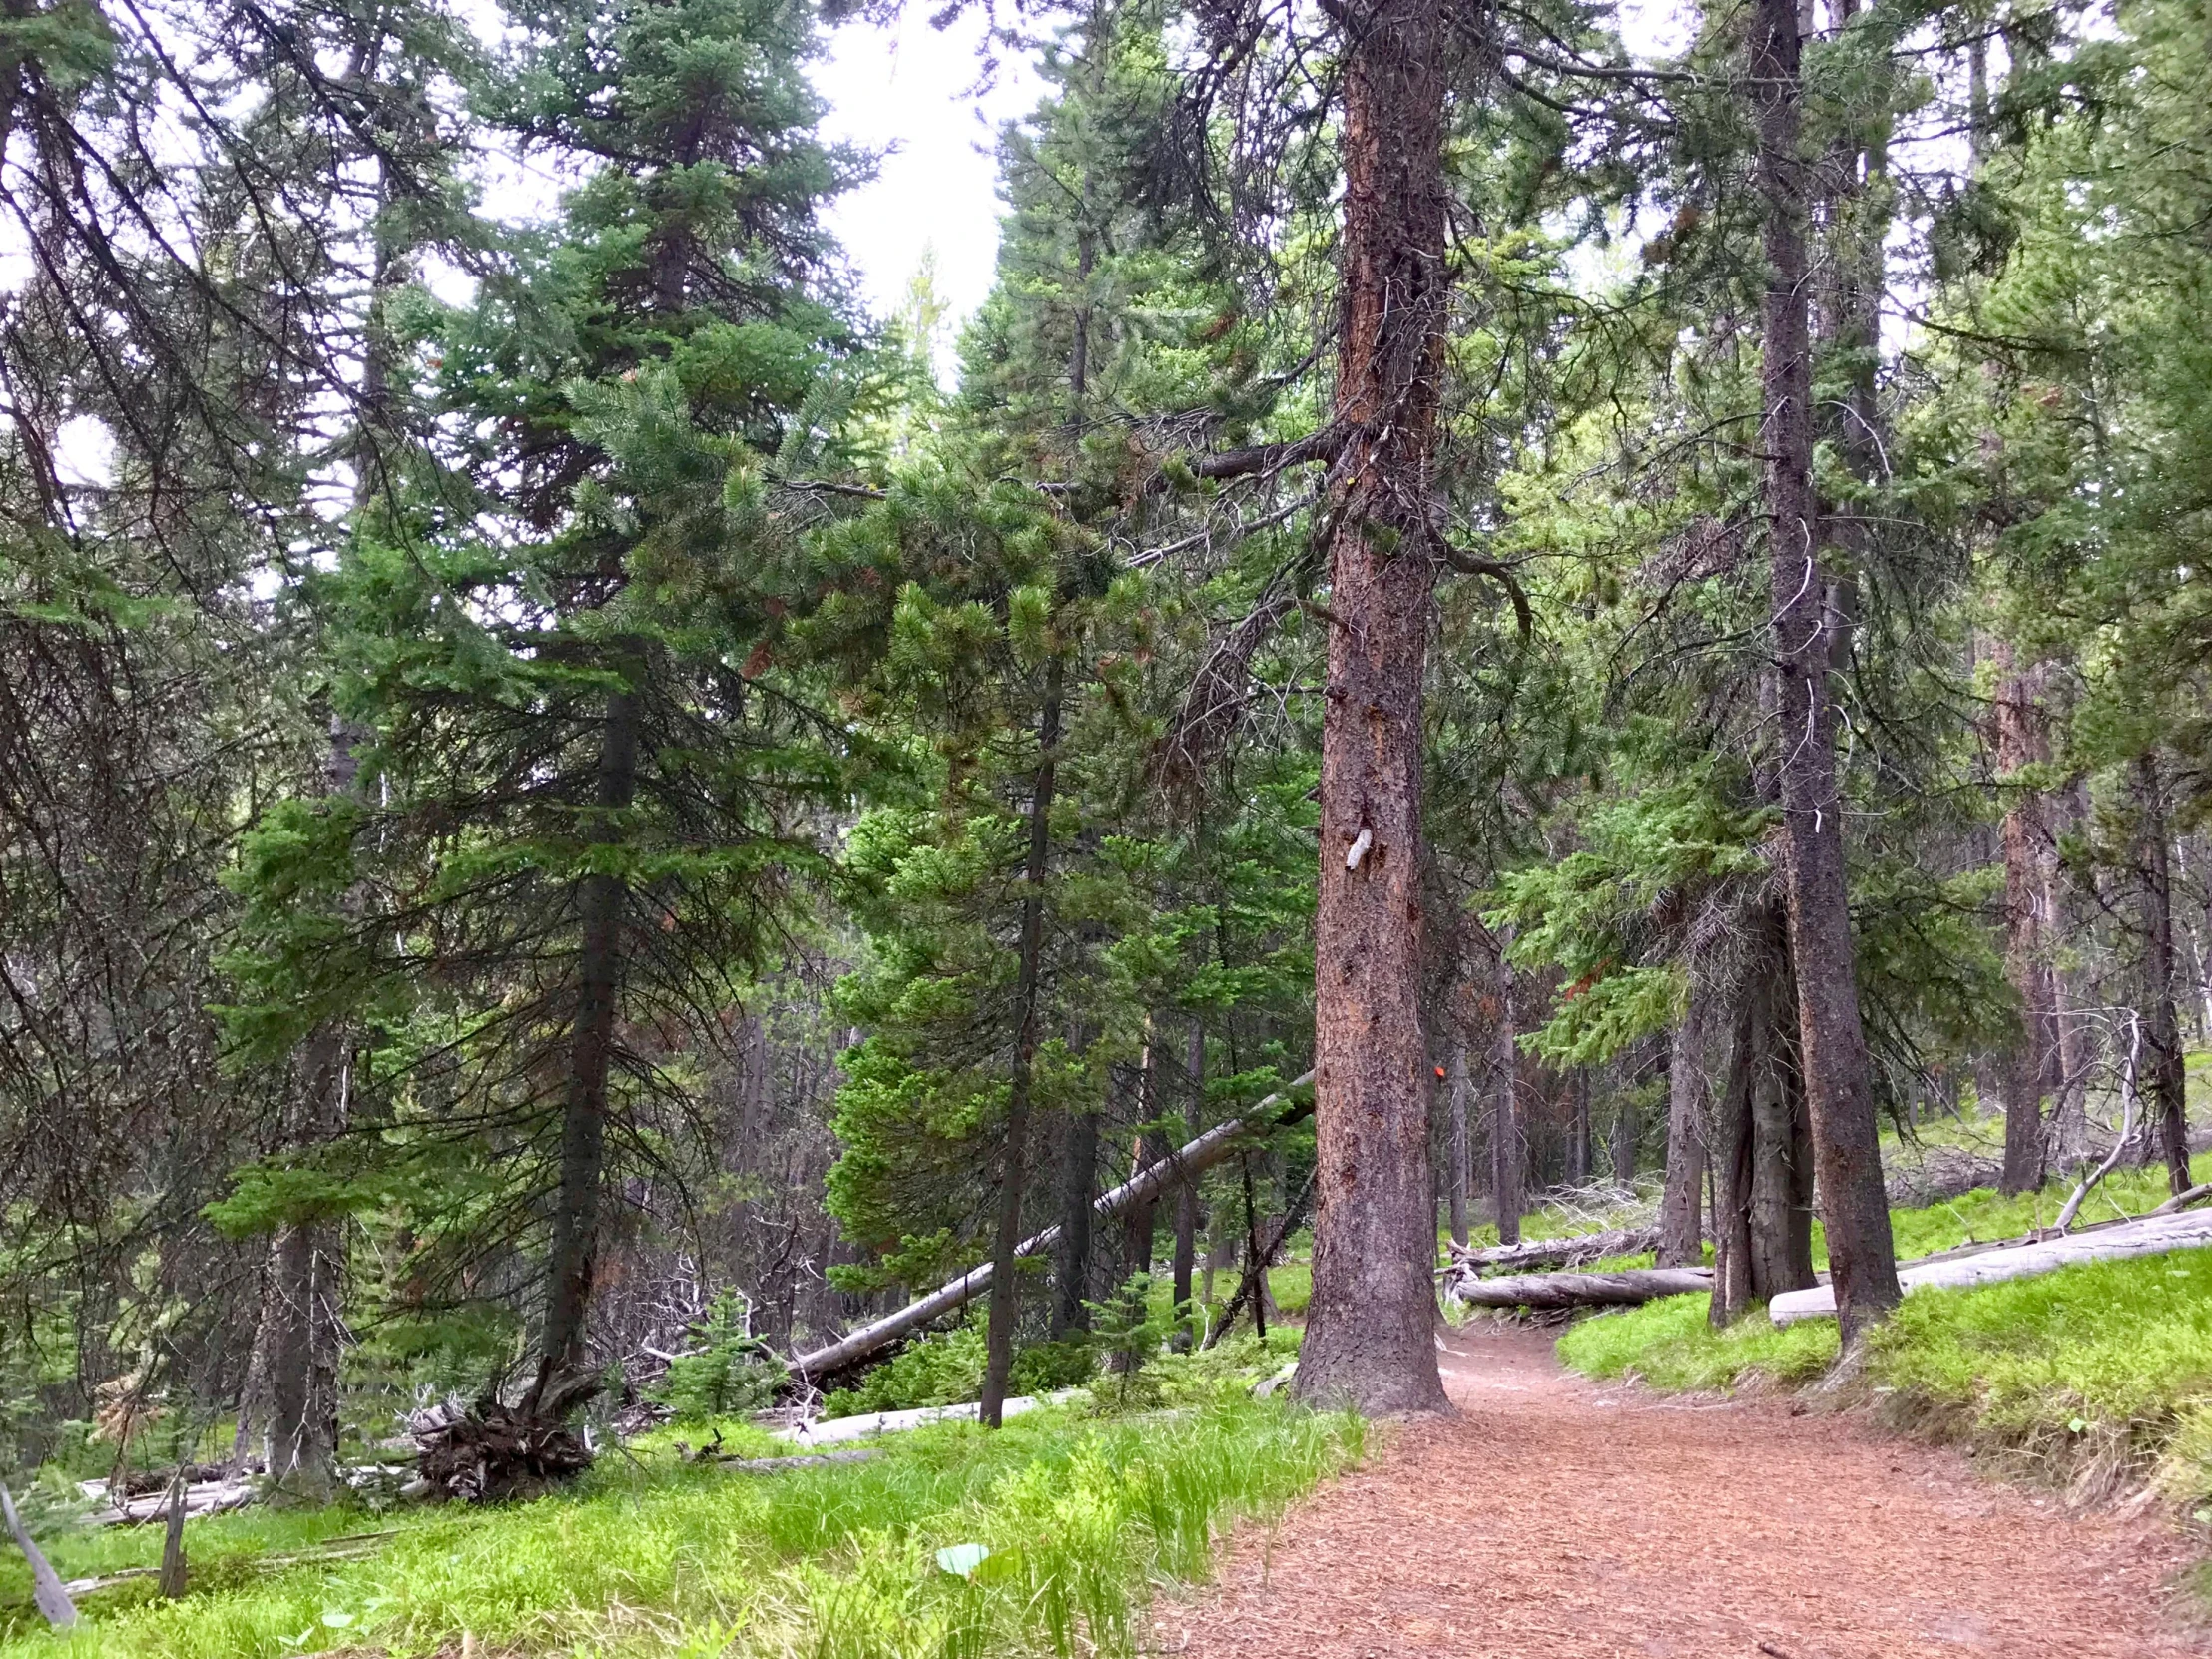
[
  {"x": 2151, "y": 1236},
  {"x": 202, "y": 1498},
  {"x": 47, "y": 1593},
  {"x": 785, "y": 1465},
  {"x": 1187, "y": 1161},
  {"x": 1581, "y": 1289},
  {"x": 1571, "y": 1250}
]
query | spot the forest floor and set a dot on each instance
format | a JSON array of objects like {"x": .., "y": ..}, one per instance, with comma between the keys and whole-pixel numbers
[{"x": 1556, "y": 1516}]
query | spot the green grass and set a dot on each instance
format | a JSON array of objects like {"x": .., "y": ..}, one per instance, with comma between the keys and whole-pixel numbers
[
  {"x": 2101, "y": 1372},
  {"x": 1081, "y": 1515},
  {"x": 1668, "y": 1345}
]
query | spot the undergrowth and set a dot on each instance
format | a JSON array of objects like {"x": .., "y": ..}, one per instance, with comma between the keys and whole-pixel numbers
[{"x": 1078, "y": 1516}]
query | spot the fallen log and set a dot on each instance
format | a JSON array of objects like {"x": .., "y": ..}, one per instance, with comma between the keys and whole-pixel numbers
[
  {"x": 1569, "y": 1252},
  {"x": 1580, "y": 1290},
  {"x": 200, "y": 1499},
  {"x": 1193, "y": 1158},
  {"x": 2149, "y": 1236},
  {"x": 811, "y": 1460},
  {"x": 47, "y": 1593}
]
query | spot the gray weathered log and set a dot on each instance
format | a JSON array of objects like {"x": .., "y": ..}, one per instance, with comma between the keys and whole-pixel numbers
[
  {"x": 1193, "y": 1158},
  {"x": 1571, "y": 1250},
  {"x": 2151, "y": 1236},
  {"x": 1581, "y": 1289},
  {"x": 785, "y": 1465},
  {"x": 46, "y": 1584}
]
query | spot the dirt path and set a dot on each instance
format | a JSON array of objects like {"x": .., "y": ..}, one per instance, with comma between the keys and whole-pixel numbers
[{"x": 1566, "y": 1519}]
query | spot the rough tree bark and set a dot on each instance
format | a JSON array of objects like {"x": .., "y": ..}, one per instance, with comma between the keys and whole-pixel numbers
[
  {"x": 1839, "y": 1089},
  {"x": 1781, "y": 1194},
  {"x": 1681, "y": 1206},
  {"x": 2166, "y": 1096},
  {"x": 1370, "y": 1335},
  {"x": 602, "y": 900},
  {"x": 1760, "y": 1141},
  {"x": 999, "y": 1342},
  {"x": 1727, "y": 1167},
  {"x": 2025, "y": 1072}
]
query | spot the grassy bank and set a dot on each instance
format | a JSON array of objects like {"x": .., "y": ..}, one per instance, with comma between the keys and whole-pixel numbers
[
  {"x": 650, "y": 1556},
  {"x": 2097, "y": 1375}
]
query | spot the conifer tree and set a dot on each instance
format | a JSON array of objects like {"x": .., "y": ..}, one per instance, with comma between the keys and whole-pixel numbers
[{"x": 595, "y": 776}]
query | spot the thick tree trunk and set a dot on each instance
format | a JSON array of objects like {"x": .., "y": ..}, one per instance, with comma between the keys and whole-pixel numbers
[
  {"x": 602, "y": 899},
  {"x": 2025, "y": 1072},
  {"x": 998, "y": 1362},
  {"x": 1456, "y": 1176},
  {"x": 1371, "y": 1328},
  {"x": 1839, "y": 1089},
  {"x": 1681, "y": 1223},
  {"x": 1507, "y": 1169},
  {"x": 1759, "y": 1140},
  {"x": 1781, "y": 1140},
  {"x": 1079, "y": 1178},
  {"x": 2166, "y": 1097}
]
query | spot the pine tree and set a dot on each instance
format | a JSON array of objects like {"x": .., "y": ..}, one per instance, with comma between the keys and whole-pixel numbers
[{"x": 596, "y": 779}]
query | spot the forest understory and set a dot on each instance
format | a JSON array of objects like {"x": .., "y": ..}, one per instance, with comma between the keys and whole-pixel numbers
[{"x": 1543, "y": 655}]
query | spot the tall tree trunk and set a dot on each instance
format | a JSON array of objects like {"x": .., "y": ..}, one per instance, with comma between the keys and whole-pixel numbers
[
  {"x": 1681, "y": 1225},
  {"x": 1728, "y": 1151},
  {"x": 2025, "y": 1071},
  {"x": 2166, "y": 1097},
  {"x": 1455, "y": 1177},
  {"x": 1186, "y": 1193},
  {"x": 292, "y": 1389},
  {"x": 1839, "y": 1089},
  {"x": 293, "y": 1372},
  {"x": 1371, "y": 1328},
  {"x": 998, "y": 1363},
  {"x": 1578, "y": 1129},
  {"x": 1508, "y": 1168},
  {"x": 603, "y": 898},
  {"x": 1078, "y": 1187},
  {"x": 1620, "y": 1144},
  {"x": 1757, "y": 1139},
  {"x": 1780, "y": 1134}
]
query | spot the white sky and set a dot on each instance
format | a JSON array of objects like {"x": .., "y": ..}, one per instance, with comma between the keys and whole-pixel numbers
[{"x": 910, "y": 89}]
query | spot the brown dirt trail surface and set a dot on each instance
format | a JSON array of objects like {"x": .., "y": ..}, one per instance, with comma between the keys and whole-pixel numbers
[{"x": 1558, "y": 1518}]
